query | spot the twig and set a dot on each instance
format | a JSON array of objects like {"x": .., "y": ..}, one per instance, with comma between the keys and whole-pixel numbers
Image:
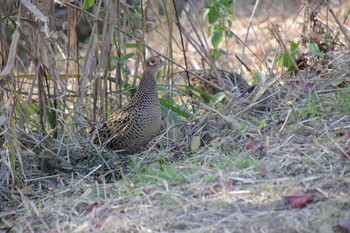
[
  {"x": 280, "y": 40},
  {"x": 341, "y": 26},
  {"x": 249, "y": 26},
  {"x": 182, "y": 42}
]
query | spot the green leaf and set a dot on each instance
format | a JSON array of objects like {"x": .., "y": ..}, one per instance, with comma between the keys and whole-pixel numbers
[
  {"x": 286, "y": 62},
  {"x": 175, "y": 109},
  {"x": 88, "y": 4},
  {"x": 159, "y": 74},
  {"x": 131, "y": 45},
  {"x": 216, "y": 39},
  {"x": 223, "y": 52},
  {"x": 294, "y": 46},
  {"x": 126, "y": 71},
  {"x": 315, "y": 50},
  {"x": 229, "y": 22},
  {"x": 243, "y": 127},
  {"x": 215, "y": 53},
  {"x": 208, "y": 30},
  {"x": 218, "y": 97},
  {"x": 124, "y": 57},
  {"x": 51, "y": 114},
  {"x": 227, "y": 3},
  {"x": 256, "y": 77},
  {"x": 29, "y": 108},
  {"x": 213, "y": 14},
  {"x": 112, "y": 68},
  {"x": 261, "y": 124},
  {"x": 199, "y": 91}
]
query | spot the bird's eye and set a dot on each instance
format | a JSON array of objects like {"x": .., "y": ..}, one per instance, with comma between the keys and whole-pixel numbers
[{"x": 152, "y": 62}]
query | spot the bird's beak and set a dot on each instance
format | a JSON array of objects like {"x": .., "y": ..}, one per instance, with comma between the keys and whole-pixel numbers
[{"x": 163, "y": 63}]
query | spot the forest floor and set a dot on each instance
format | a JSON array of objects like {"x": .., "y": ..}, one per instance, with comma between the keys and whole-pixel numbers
[{"x": 285, "y": 168}]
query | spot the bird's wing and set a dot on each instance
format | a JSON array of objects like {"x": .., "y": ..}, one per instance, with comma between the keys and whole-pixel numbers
[{"x": 117, "y": 125}]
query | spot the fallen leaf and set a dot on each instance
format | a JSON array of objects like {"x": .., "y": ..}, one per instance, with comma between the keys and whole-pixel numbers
[
  {"x": 301, "y": 63},
  {"x": 225, "y": 185},
  {"x": 255, "y": 146},
  {"x": 299, "y": 201},
  {"x": 10, "y": 217},
  {"x": 264, "y": 170},
  {"x": 345, "y": 224},
  {"x": 99, "y": 223},
  {"x": 93, "y": 205},
  {"x": 240, "y": 100},
  {"x": 228, "y": 184},
  {"x": 258, "y": 51},
  {"x": 345, "y": 157},
  {"x": 296, "y": 151},
  {"x": 51, "y": 231},
  {"x": 147, "y": 190},
  {"x": 309, "y": 87},
  {"x": 28, "y": 189},
  {"x": 195, "y": 143}
]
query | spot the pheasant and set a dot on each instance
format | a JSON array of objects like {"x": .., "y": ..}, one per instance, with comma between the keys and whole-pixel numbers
[
  {"x": 139, "y": 121},
  {"x": 230, "y": 81}
]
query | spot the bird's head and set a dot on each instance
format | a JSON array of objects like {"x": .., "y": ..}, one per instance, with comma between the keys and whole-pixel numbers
[{"x": 153, "y": 63}]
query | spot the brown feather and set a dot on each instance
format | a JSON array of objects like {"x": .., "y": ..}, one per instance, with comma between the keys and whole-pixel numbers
[{"x": 139, "y": 121}]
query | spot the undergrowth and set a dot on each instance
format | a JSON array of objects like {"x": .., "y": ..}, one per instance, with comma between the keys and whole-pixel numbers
[{"x": 225, "y": 154}]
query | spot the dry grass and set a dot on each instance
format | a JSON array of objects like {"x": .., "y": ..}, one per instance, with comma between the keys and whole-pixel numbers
[{"x": 224, "y": 168}]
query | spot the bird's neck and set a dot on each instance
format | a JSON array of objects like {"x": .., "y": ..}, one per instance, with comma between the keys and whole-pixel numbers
[{"x": 148, "y": 81}]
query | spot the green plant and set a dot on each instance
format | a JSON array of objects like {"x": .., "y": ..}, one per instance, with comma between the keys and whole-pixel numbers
[
  {"x": 285, "y": 60},
  {"x": 219, "y": 16},
  {"x": 343, "y": 101},
  {"x": 315, "y": 50}
]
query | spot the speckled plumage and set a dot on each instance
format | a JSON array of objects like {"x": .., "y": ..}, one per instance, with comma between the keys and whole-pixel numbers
[
  {"x": 138, "y": 122},
  {"x": 230, "y": 81}
]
